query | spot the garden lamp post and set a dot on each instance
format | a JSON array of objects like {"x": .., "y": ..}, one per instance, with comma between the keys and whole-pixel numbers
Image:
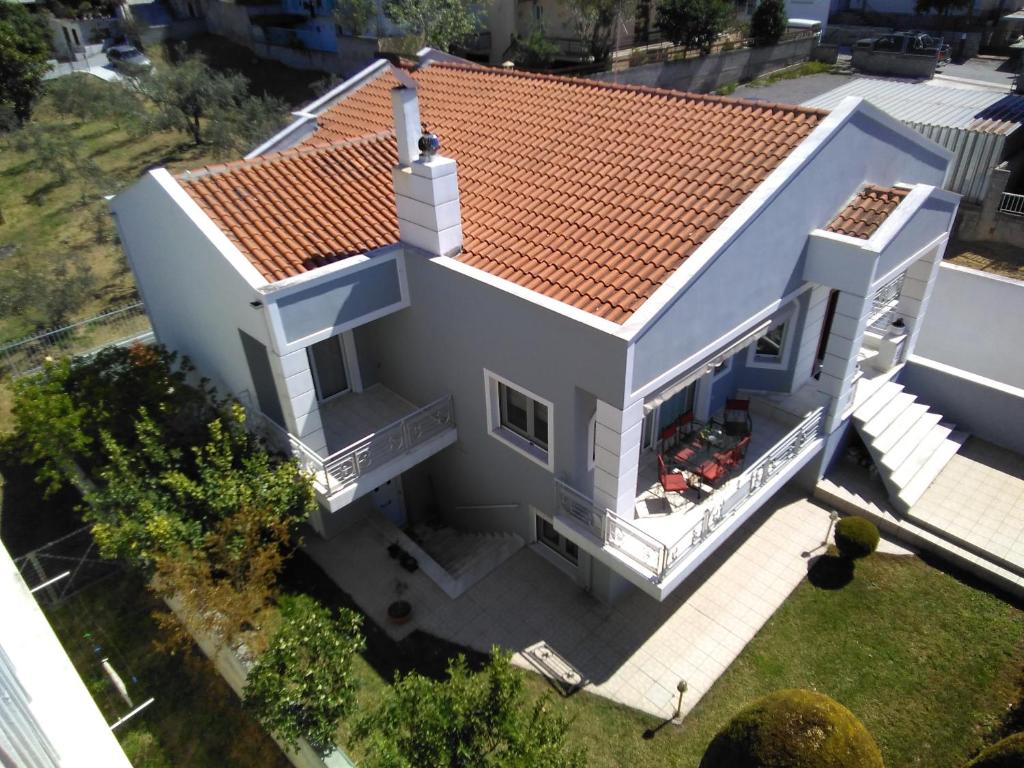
[
  {"x": 681, "y": 687},
  {"x": 833, "y": 517}
]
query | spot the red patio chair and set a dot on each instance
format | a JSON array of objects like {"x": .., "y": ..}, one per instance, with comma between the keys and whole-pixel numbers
[
  {"x": 671, "y": 482},
  {"x": 733, "y": 457},
  {"x": 737, "y": 417},
  {"x": 712, "y": 473},
  {"x": 685, "y": 424},
  {"x": 667, "y": 438}
]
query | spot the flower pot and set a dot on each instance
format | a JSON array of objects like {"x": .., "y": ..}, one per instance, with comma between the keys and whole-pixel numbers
[{"x": 399, "y": 611}]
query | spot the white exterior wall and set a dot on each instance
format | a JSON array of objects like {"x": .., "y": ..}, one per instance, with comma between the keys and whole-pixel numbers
[
  {"x": 59, "y": 703},
  {"x": 974, "y": 324}
]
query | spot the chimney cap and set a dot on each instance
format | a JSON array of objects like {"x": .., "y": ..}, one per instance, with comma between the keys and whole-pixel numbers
[{"x": 429, "y": 145}]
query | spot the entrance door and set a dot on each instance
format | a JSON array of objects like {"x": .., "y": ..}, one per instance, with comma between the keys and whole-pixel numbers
[
  {"x": 826, "y": 330},
  {"x": 389, "y": 500},
  {"x": 327, "y": 361}
]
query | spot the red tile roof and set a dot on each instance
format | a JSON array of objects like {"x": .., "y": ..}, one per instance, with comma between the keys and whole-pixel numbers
[
  {"x": 586, "y": 192},
  {"x": 866, "y": 211}
]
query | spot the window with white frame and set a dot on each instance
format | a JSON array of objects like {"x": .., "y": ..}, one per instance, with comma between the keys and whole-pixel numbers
[
  {"x": 771, "y": 350},
  {"x": 519, "y": 418}
]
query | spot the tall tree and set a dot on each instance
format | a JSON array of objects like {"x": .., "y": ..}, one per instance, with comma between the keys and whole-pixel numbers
[
  {"x": 768, "y": 21},
  {"x": 210, "y": 107},
  {"x": 481, "y": 720},
  {"x": 694, "y": 23},
  {"x": 596, "y": 21},
  {"x": 24, "y": 51},
  {"x": 437, "y": 23}
]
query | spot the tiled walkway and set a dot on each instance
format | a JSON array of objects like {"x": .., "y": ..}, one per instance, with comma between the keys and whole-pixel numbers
[
  {"x": 979, "y": 498},
  {"x": 634, "y": 652}
]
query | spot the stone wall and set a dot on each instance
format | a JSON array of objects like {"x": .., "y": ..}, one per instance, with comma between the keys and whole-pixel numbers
[
  {"x": 894, "y": 64},
  {"x": 986, "y": 222},
  {"x": 706, "y": 73}
]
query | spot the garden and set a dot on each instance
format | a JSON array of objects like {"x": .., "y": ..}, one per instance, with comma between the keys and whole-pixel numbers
[{"x": 896, "y": 661}]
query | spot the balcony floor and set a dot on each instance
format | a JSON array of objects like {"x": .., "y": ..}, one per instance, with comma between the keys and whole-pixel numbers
[
  {"x": 669, "y": 519},
  {"x": 354, "y": 415}
]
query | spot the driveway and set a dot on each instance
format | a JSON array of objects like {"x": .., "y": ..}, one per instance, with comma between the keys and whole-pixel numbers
[{"x": 96, "y": 64}]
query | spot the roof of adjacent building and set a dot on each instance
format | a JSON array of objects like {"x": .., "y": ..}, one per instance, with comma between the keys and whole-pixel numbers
[
  {"x": 982, "y": 111},
  {"x": 864, "y": 214},
  {"x": 586, "y": 192}
]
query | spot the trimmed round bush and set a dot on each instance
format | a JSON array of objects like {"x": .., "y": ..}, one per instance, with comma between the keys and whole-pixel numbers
[
  {"x": 1008, "y": 753},
  {"x": 856, "y": 537},
  {"x": 793, "y": 728}
]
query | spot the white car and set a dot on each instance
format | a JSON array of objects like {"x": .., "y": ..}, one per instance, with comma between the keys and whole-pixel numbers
[{"x": 127, "y": 54}]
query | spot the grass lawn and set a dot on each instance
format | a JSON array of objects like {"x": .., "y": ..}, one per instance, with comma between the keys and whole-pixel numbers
[{"x": 196, "y": 719}]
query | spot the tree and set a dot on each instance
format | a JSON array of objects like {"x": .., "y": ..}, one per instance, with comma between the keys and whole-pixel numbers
[
  {"x": 437, "y": 23},
  {"x": 354, "y": 16},
  {"x": 479, "y": 720},
  {"x": 24, "y": 54},
  {"x": 768, "y": 21},
  {"x": 45, "y": 293},
  {"x": 210, "y": 107},
  {"x": 535, "y": 51},
  {"x": 303, "y": 684},
  {"x": 596, "y": 21},
  {"x": 694, "y": 23}
]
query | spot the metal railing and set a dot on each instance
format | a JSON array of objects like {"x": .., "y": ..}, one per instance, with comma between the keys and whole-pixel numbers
[
  {"x": 884, "y": 303},
  {"x": 653, "y": 556},
  {"x": 1012, "y": 204},
  {"x": 346, "y": 466},
  {"x": 117, "y": 326},
  {"x": 342, "y": 468}
]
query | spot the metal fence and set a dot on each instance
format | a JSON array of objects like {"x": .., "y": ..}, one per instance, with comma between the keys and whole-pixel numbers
[
  {"x": 884, "y": 303},
  {"x": 1012, "y": 204},
  {"x": 64, "y": 566},
  {"x": 122, "y": 325}
]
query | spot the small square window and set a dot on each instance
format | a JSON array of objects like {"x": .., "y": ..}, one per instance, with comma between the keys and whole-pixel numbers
[
  {"x": 769, "y": 347},
  {"x": 520, "y": 419}
]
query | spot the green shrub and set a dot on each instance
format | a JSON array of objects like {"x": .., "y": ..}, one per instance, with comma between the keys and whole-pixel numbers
[
  {"x": 856, "y": 537},
  {"x": 793, "y": 728},
  {"x": 1008, "y": 753}
]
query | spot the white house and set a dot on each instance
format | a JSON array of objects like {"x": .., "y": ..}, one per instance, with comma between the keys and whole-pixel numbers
[{"x": 498, "y": 336}]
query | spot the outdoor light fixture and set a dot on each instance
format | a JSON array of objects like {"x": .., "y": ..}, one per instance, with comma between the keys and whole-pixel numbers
[
  {"x": 256, "y": 304},
  {"x": 681, "y": 686},
  {"x": 833, "y": 518}
]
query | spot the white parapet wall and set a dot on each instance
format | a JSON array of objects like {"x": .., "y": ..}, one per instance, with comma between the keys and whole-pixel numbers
[{"x": 974, "y": 324}]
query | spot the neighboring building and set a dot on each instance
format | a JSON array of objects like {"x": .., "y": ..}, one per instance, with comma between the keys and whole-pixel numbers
[
  {"x": 47, "y": 717},
  {"x": 982, "y": 128},
  {"x": 978, "y": 9},
  {"x": 495, "y": 338}
]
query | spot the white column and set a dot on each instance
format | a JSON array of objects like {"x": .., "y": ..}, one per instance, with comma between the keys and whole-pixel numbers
[
  {"x": 298, "y": 399},
  {"x": 840, "y": 363},
  {"x": 916, "y": 293},
  {"x": 617, "y": 438}
]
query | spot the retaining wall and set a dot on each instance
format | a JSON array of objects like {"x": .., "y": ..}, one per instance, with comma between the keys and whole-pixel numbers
[
  {"x": 894, "y": 64},
  {"x": 706, "y": 73}
]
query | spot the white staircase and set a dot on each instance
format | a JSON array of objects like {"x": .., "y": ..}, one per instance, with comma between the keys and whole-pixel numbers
[
  {"x": 466, "y": 556},
  {"x": 909, "y": 443}
]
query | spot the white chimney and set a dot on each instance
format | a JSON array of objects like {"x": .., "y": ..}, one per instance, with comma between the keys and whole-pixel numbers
[{"x": 426, "y": 185}]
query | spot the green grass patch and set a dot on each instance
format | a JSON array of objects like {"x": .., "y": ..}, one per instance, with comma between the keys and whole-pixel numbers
[
  {"x": 196, "y": 719},
  {"x": 792, "y": 73},
  {"x": 928, "y": 663}
]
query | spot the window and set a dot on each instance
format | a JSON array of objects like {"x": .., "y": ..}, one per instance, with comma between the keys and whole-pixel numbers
[
  {"x": 769, "y": 346},
  {"x": 592, "y": 442},
  {"x": 547, "y": 535},
  {"x": 519, "y": 418}
]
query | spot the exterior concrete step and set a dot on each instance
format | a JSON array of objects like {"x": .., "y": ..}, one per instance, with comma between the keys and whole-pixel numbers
[
  {"x": 896, "y": 454},
  {"x": 921, "y": 538},
  {"x": 886, "y": 416},
  {"x": 918, "y": 484},
  {"x": 876, "y": 402},
  {"x": 897, "y": 431}
]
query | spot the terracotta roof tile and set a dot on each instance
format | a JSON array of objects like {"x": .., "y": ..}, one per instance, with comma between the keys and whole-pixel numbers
[
  {"x": 587, "y": 192},
  {"x": 866, "y": 211}
]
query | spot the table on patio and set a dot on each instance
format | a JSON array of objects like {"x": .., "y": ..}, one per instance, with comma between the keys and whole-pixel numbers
[{"x": 699, "y": 449}]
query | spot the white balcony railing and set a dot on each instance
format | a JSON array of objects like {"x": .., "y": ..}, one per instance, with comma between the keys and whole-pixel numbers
[
  {"x": 343, "y": 468},
  {"x": 1012, "y": 204},
  {"x": 656, "y": 558}
]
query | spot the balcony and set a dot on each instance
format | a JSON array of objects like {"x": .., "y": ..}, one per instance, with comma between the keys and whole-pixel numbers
[
  {"x": 666, "y": 540},
  {"x": 372, "y": 436}
]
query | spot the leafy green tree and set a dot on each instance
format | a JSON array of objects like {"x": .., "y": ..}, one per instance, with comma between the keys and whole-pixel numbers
[
  {"x": 768, "y": 21},
  {"x": 24, "y": 51},
  {"x": 694, "y": 23},
  {"x": 596, "y": 21},
  {"x": 354, "y": 16},
  {"x": 85, "y": 98},
  {"x": 210, "y": 107},
  {"x": 480, "y": 720},
  {"x": 437, "y": 23},
  {"x": 43, "y": 292},
  {"x": 303, "y": 684},
  {"x": 535, "y": 50}
]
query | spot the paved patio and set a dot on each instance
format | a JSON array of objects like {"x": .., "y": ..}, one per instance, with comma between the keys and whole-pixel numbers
[
  {"x": 634, "y": 652},
  {"x": 978, "y": 498}
]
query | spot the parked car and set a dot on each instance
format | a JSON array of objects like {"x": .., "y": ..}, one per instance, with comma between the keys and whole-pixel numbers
[
  {"x": 129, "y": 55},
  {"x": 918, "y": 43}
]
